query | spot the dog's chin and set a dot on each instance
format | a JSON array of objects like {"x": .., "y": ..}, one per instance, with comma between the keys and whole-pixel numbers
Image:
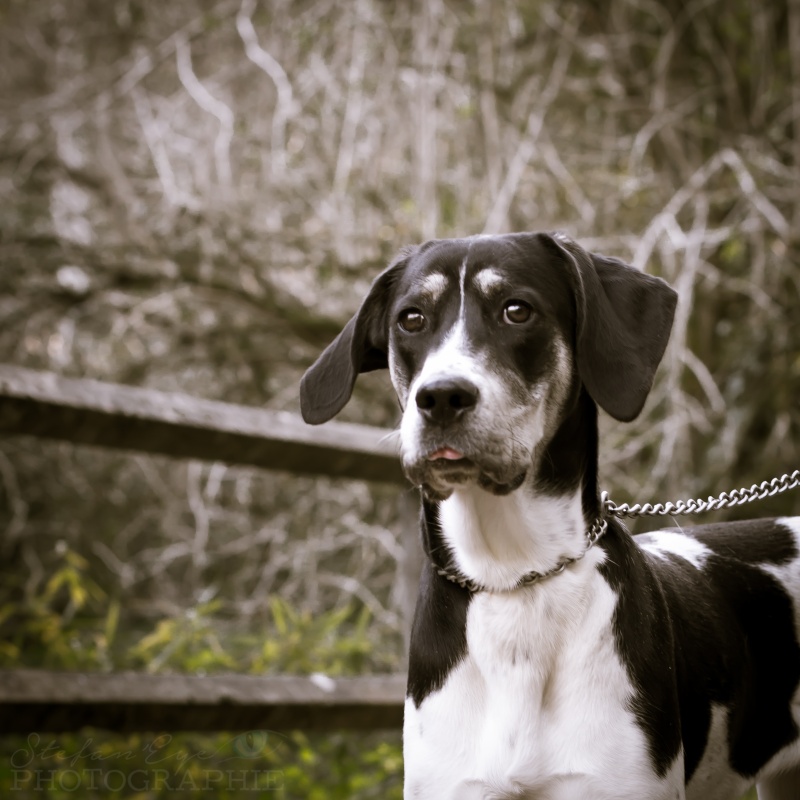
[{"x": 438, "y": 479}]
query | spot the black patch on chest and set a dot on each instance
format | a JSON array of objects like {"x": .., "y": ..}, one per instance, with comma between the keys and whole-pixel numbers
[
  {"x": 439, "y": 630},
  {"x": 723, "y": 634}
]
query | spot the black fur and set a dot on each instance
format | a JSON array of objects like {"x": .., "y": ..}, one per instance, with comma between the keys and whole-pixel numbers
[
  {"x": 690, "y": 638},
  {"x": 621, "y": 324},
  {"x": 361, "y": 347},
  {"x": 735, "y": 629},
  {"x": 439, "y": 630}
]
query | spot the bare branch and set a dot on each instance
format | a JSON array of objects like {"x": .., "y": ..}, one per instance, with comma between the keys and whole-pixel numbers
[
  {"x": 144, "y": 112},
  {"x": 209, "y": 103},
  {"x": 497, "y": 219},
  {"x": 748, "y": 185},
  {"x": 794, "y": 61},
  {"x": 262, "y": 59}
]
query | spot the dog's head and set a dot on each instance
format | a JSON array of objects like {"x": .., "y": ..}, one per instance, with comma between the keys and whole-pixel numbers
[{"x": 487, "y": 340}]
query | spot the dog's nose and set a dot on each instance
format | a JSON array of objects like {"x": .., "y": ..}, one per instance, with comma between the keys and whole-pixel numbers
[{"x": 444, "y": 400}]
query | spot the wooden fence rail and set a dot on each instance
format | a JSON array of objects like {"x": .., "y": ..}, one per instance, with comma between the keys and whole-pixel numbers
[
  {"x": 173, "y": 424},
  {"x": 56, "y": 702},
  {"x": 108, "y": 415}
]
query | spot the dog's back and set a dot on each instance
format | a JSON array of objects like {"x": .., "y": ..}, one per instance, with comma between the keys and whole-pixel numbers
[{"x": 733, "y": 594}]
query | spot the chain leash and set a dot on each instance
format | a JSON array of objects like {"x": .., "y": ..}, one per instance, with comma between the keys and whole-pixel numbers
[{"x": 736, "y": 497}]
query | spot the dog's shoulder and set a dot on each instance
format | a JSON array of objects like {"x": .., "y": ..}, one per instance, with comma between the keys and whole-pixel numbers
[
  {"x": 761, "y": 543},
  {"x": 732, "y": 574},
  {"x": 733, "y": 594}
]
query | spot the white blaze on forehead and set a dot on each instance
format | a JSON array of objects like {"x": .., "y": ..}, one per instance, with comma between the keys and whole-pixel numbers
[
  {"x": 462, "y": 280},
  {"x": 487, "y": 279},
  {"x": 434, "y": 285},
  {"x": 453, "y": 358}
]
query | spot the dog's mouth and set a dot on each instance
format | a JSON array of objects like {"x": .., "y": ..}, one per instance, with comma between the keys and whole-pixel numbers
[
  {"x": 448, "y": 465},
  {"x": 446, "y": 454},
  {"x": 446, "y": 468}
]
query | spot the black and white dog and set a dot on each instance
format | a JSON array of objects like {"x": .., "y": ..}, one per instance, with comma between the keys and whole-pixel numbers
[{"x": 553, "y": 655}]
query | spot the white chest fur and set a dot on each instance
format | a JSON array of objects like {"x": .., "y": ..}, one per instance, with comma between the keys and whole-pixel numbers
[
  {"x": 495, "y": 540},
  {"x": 539, "y": 707}
]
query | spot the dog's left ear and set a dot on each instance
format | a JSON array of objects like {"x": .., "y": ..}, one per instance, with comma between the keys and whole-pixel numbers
[
  {"x": 624, "y": 321},
  {"x": 362, "y": 346}
]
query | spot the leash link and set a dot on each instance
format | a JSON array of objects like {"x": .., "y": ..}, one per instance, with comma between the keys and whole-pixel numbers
[{"x": 736, "y": 497}]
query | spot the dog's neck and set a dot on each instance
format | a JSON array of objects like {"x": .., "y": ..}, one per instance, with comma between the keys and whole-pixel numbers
[{"x": 495, "y": 540}]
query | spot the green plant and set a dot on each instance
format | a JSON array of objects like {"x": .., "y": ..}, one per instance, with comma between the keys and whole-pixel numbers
[
  {"x": 68, "y": 624},
  {"x": 187, "y": 643},
  {"x": 301, "y": 641}
]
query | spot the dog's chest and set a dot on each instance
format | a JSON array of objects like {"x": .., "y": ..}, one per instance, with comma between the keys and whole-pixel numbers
[{"x": 530, "y": 706}]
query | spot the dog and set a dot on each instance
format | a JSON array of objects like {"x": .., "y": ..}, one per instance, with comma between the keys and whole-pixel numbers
[{"x": 553, "y": 655}]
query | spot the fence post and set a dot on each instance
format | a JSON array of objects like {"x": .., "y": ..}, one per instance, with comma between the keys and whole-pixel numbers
[{"x": 410, "y": 565}]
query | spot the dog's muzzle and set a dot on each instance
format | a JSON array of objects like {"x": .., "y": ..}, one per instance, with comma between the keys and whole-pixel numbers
[{"x": 450, "y": 452}]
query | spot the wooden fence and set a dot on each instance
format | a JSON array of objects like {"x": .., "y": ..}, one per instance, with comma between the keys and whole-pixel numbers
[{"x": 108, "y": 415}]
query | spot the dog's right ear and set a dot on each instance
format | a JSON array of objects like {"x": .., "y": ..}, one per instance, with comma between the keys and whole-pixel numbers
[{"x": 362, "y": 346}]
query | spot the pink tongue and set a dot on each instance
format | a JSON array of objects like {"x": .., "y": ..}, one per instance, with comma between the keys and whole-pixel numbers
[{"x": 447, "y": 453}]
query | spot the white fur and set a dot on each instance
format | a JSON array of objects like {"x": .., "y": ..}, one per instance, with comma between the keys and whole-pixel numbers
[
  {"x": 788, "y": 758},
  {"x": 789, "y": 574},
  {"x": 451, "y": 359},
  {"x": 487, "y": 279},
  {"x": 540, "y": 705},
  {"x": 434, "y": 286},
  {"x": 517, "y": 429},
  {"x": 496, "y": 540},
  {"x": 497, "y": 422},
  {"x": 462, "y": 288},
  {"x": 660, "y": 543},
  {"x": 714, "y": 779},
  {"x": 530, "y": 710},
  {"x": 399, "y": 380}
]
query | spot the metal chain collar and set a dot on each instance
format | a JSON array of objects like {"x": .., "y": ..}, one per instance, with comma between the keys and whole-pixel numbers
[
  {"x": 736, "y": 497},
  {"x": 599, "y": 527}
]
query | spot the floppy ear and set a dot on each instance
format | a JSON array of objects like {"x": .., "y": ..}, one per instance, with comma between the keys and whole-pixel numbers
[
  {"x": 362, "y": 346},
  {"x": 624, "y": 318}
]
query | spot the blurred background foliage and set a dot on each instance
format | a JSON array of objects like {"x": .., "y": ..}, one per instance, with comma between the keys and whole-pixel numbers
[{"x": 196, "y": 194}]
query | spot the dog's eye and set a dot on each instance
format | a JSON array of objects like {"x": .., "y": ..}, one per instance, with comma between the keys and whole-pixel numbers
[
  {"x": 411, "y": 320},
  {"x": 516, "y": 312}
]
